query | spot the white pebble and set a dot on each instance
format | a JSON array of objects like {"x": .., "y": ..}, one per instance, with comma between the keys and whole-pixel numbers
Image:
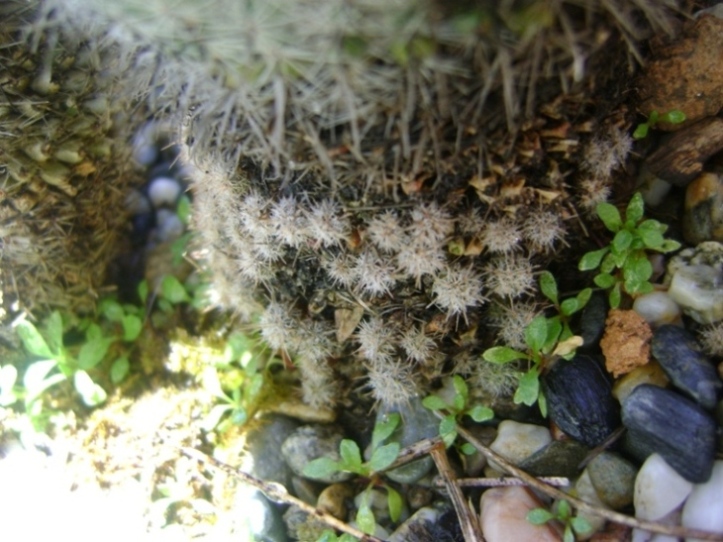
[
  {"x": 696, "y": 288},
  {"x": 672, "y": 519},
  {"x": 504, "y": 517},
  {"x": 658, "y": 489},
  {"x": 517, "y": 441},
  {"x": 657, "y": 308},
  {"x": 164, "y": 191},
  {"x": 704, "y": 508}
]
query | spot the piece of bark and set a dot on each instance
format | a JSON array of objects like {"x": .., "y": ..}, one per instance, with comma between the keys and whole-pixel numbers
[{"x": 681, "y": 157}]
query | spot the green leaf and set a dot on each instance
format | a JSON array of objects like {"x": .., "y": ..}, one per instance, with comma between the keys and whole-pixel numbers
[
  {"x": 458, "y": 403},
  {"x": 468, "y": 449},
  {"x": 641, "y": 131},
  {"x": 610, "y": 216},
  {"x": 605, "y": 280},
  {"x": 173, "y": 290},
  {"x": 111, "y": 309},
  {"x": 548, "y": 286},
  {"x": 449, "y": 438},
  {"x": 563, "y": 510},
  {"x": 54, "y": 332},
  {"x": 322, "y": 467},
  {"x": 327, "y": 536},
  {"x": 552, "y": 334},
  {"x": 143, "y": 291},
  {"x": 669, "y": 246},
  {"x": 622, "y": 240},
  {"x": 580, "y": 525},
  {"x": 637, "y": 268},
  {"x": 183, "y": 209},
  {"x": 179, "y": 247},
  {"x": 239, "y": 416},
  {"x": 591, "y": 260},
  {"x": 528, "y": 388},
  {"x": 32, "y": 340},
  {"x": 448, "y": 429},
  {"x": 213, "y": 418},
  {"x": 132, "y": 326},
  {"x": 653, "y": 118},
  {"x": 365, "y": 516},
  {"x": 433, "y": 402},
  {"x": 350, "y": 454},
  {"x": 460, "y": 386},
  {"x": 674, "y": 116},
  {"x": 253, "y": 389},
  {"x": 615, "y": 296},
  {"x": 395, "y": 503},
  {"x": 542, "y": 402},
  {"x": 481, "y": 413},
  {"x": 119, "y": 370},
  {"x": 91, "y": 393},
  {"x": 502, "y": 354},
  {"x": 346, "y": 537},
  {"x": 384, "y": 456},
  {"x": 536, "y": 333},
  {"x": 608, "y": 264},
  {"x": 583, "y": 297},
  {"x": 568, "y": 535},
  {"x": 93, "y": 351},
  {"x": 539, "y": 516},
  {"x": 635, "y": 209}
]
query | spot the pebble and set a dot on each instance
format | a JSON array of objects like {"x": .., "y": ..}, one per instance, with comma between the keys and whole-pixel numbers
[
  {"x": 585, "y": 490},
  {"x": 579, "y": 400},
  {"x": 263, "y": 519},
  {"x": 664, "y": 422},
  {"x": 613, "y": 478},
  {"x": 672, "y": 519},
  {"x": 164, "y": 191},
  {"x": 417, "y": 423},
  {"x": 695, "y": 277},
  {"x": 503, "y": 517},
  {"x": 704, "y": 507},
  {"x": 688, "y": 369},
  {"x": 657, "y": 308},
  {"x": 659, "y": 489},
  {"x": 332, "y": 500},
  {"x": 419, "y": 521},
  {"x": 703, "y": 211},
  {"x": 558, "y": 458},
  {"x": 626, "y": 342},
  {"x": 650, "y": 373},
  {"x": 169, "y": 226},
  {"x": 517, "y": 441},
  {"x": 592, "y": 321},
  {"x": 312, "y": 442}
]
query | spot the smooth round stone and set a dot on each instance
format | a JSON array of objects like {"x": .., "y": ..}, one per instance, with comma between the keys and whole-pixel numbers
[
  {"x": 504, "y": 516},
  {"x": 678, "y": 353},
  {"x": 703, "y": 211},
  {"x": 664, "y": 422},
  {"x": 419, "y": 521},
  {"x": 137, "y": 203},
  {"x": 585, "y": 491},
  {"x": 168, "y": 226},
  {"x": 312, "y": 442},
  {"x": 657, "y": 308},
  {"x": 704, "y": 507},
  {"x": 517, "y": 441},
  {"x": 650, "y": 373},
  {"x": 592, "y": 321},
  {"x": 263, "y": 518},
  {"x": 558, "y": 458},
  {"x": 653, "y": 188},
  {"x": 332, "y": 500},
  {"x": 697, "y": 289},
  {"x": 659, "y": 489},
  {"x": 164, "y": 191},
  {"x": 579, "y": 400},
  {"x": 613, "y": 478},
  {"x": 672, "y": 519},
  {"x": 417, "y": 423}
]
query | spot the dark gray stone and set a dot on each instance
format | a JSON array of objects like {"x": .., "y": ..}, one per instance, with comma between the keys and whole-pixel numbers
[
  {"x": 592, "y": 322},
  {"x": 312, "y": 442},
  {"x": 264, "y": 444},
  {"x": 662, "y": 421},
  {"x": 559, "y": 458},
  {"x": 613, "y": 479},
  {"x": 579, "y": 400},
  {"x": 688, "y": 369}
]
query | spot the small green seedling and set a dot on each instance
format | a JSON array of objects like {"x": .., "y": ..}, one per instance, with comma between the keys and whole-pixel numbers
[
  {"x": 674, "y": 116},
  {"x": 546, "y": 339},
  {"x": 624, "y": 264},
  {"x": 382, "y": 456},
  {"x": 246, "y": 385},
  {"x": 563, "y": 514},
  {"x": 454, "y": 412}
]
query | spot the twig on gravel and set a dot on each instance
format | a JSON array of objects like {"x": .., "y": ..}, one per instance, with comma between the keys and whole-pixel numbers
[
  {"x": 469, "y": 522},
  {"x": 278, "y": 493},
  {"x": 555, "y": 481},
  {"x": 670, "y": 530}
]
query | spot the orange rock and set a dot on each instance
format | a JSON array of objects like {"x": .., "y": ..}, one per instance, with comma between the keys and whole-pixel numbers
[{"x": 626, "y": 342}]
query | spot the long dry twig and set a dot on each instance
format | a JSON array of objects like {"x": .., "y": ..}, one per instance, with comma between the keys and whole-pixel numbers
[
  {"x": 670, "y": 530},
  {"x": 278, "y": 493}
]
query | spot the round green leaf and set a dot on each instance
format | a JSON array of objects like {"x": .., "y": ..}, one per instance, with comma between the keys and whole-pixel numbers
[
  {"x": 384, "y": 456},
  {"x": 581, "y": 525},
  {"x": 635, "y": 209},
  {"x": 539, "y": 516},
  {"x": 610, "y": 216},
  {"x": 460, "y": 386},
  {"x": 350, "y": 454},
  {"x": 615, "y": 296},
  {"x": 32, "y": 340},
  {"x": 502, "y": 354},
  {"x": 568, "y": 535},
  {"x": 548, "y": 286},
  {"x": 641, "y": 131},
  {"x": 467, "y": 449},
  {"x": 563, "y": 510},
  {"x": 569, "y": 306},
  {"x": 536, "y": 333},
  {"x": 669, "y": 246},
  {"x": 481, "y": 413},
  {"x": 605, "y": 280},
  {"x": 637, "y": 268},
  {"x": 528, "y": 388},
  {"x": 432, "y": 402},
  {"x": 93, "y": 351},
  {"x": 119, "y": 370},
  {"x": 395, "y": 503},
  {"x": 320, "y": 468},
  {"x": 591, "y": 260},
  {"x": 111, "y": 309},
  {"x": 173, "y": 291},
  {"x": 132, "y": 326},
  {"x": 365, "y": 516},
  {"x": 622, "y": 240},
  {"x": 674, "y": 116}
]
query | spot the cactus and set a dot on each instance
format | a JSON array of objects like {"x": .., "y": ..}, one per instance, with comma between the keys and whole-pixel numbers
[{"x": 408, "y": 163}]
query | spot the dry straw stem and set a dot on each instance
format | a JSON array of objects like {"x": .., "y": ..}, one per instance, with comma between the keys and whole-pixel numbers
[{"x": 277, "y": 493}]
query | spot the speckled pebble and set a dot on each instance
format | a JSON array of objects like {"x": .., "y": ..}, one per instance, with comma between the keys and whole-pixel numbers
[
  {"x": 312, "y": 442},
  {"x": 517, "y": 441},
  {"x": 613, "y": 478}
]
